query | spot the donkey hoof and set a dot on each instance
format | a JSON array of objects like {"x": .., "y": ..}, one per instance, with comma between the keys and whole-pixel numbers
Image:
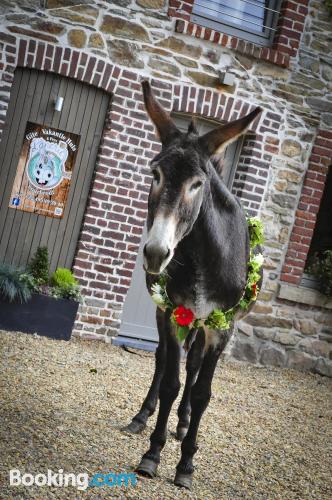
[
  {"x": 181, "y": 432},
  {"x": 134, "y": 427},
  {"x": 183, "y": 480},
  {"x": 147, "y": 468}
]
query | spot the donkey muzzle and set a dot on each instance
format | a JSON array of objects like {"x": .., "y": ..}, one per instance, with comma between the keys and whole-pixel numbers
[{"x": 155, "y": 257}]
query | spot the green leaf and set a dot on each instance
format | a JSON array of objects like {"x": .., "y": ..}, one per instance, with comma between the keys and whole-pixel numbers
[
  {"x": 256, "y": 231},
  {"x": 218, "y": 319},
  {"x": 182, "y": 332},
  {"x": 39, "y": 266}
]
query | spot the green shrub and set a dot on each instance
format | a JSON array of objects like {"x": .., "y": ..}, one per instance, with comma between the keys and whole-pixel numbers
[
  {"x": 321, "y": 268},
  {"x": 64, "y": 285},
  {"x": 328, "y": 4},
  {"x": 68, "y": 292},
  {"x": 39, "y": 266},
  {"x": 63, "y": 277},
  {"x": 15, "y": 284}
]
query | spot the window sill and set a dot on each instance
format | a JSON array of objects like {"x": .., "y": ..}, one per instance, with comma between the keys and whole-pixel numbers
[
  {"x": 247, "y": 48},
  {"x": 304, "y": 295}
]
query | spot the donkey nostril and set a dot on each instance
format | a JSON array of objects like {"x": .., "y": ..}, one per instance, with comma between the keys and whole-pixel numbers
[{"x": 144, "y": 251}]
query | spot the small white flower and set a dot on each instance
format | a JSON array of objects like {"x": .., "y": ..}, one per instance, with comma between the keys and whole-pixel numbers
[
  {"x": 157, "y": 295},
  {"x": 158, "y": 299},
  {"x": 156, "y": 288},
  {"x": 259, "y": 259}
]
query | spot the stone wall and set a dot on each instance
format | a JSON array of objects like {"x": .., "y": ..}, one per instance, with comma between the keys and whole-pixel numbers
[{"x": 141, "y": 37}]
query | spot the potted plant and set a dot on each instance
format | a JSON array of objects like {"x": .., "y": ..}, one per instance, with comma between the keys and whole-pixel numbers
[
  {"x": 33, "y": 302},
  {"x": 321, "y": 268}
]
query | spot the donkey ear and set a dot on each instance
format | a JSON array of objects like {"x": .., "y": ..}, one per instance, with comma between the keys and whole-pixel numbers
[
  {"x": 165, "y": 126},
  {"x": 219, "y": 138}
]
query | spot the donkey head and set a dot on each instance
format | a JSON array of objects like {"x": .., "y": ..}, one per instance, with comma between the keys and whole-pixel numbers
[{"x": 181, "y": 173}]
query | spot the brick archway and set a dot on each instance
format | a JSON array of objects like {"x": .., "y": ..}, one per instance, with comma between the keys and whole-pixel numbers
[{"x": 64, "y": 61}]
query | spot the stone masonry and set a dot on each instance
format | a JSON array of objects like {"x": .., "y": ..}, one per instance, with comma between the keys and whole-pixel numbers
[{"x": 282, "y": 167}]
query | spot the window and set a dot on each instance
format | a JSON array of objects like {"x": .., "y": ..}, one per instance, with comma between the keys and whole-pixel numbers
[
  {"x": 251, "y": 20},
  {"x": 228, "y": 158},
  {"x": 322, "y": 237}
]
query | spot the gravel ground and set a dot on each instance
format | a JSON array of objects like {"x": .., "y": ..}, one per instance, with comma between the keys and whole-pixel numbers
[{"x": 266, "y": 433}]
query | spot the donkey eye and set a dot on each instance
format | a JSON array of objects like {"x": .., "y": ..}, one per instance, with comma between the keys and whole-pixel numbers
[
  {"x": 196, "y": 185},
  {"x": 156, "y": 175}
]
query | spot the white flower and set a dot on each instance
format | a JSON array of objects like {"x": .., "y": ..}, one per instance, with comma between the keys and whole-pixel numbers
[
  {"x": 156, "y": 288},
  {"x": 158, "y": 299},
  {"x": 259, "y": 259},
  {"x": 157, "y": 295}
]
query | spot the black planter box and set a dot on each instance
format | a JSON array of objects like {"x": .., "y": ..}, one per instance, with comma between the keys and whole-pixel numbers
[{"x": 43, "y": 315}]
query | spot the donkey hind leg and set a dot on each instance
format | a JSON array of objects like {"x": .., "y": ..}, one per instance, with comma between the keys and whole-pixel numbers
[
  {"x": 200, "y": 397},
  {"x": 193, "y": 364},
  {"x": 148, "y": 407},
  {"x": 169, "y": 389}
]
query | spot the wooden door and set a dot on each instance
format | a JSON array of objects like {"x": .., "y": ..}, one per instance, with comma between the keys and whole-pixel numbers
[
  {"x": 83, "y": 113},
  {"x": 139, "y": 310}
]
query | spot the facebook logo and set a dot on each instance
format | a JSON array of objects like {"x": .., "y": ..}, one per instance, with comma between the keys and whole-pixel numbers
[{"x": 16, "y": 202}]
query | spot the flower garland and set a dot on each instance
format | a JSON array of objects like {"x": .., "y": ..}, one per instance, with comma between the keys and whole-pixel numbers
[{"x": 185, "y": 320}]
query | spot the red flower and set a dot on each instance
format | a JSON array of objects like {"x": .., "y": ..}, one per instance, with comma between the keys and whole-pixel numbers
[
  {"x": 254, "y": 289},
  {"x": 183, "y": 316}
]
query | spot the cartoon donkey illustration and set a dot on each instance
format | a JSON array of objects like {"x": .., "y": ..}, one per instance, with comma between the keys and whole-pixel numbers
[
  {"x": 44, "y": 171},
  {"x": 46, "y": 167},
  {"x": 197, "y": 258}
]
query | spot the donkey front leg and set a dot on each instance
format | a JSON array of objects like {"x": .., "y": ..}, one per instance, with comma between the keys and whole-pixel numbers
[
  {"x": 169, "y": 389},
  {"x": 149, "y": 405},
  {"x": 200, "y": 397},
  {"x": 193, "y": 364}
]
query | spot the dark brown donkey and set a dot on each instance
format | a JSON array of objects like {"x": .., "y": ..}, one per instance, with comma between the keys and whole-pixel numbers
[{"x": 198, "y": 231}]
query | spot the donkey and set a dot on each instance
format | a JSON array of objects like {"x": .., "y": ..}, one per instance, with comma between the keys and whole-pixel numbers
[{"x": 198, "y": 231}]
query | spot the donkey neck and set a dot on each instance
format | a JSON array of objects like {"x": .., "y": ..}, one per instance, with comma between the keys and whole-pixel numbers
[{"x": 211, "y": 261}]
